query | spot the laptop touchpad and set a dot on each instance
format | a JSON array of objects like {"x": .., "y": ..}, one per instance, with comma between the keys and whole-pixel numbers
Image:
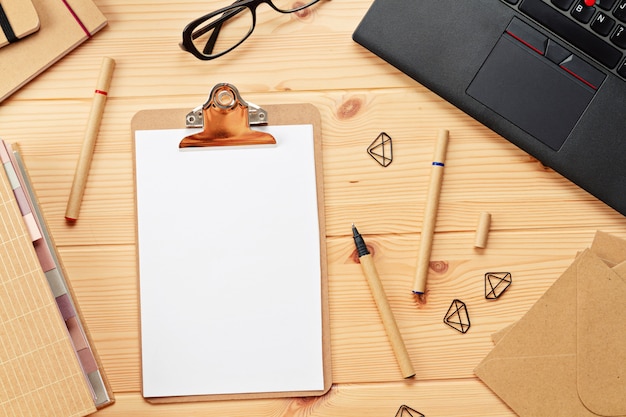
[{"x": 531, "y": 91}]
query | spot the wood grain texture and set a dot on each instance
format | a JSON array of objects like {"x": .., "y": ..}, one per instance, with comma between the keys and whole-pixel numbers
[
  {"x": 539, "y": 219},
  {"x": 432, "y": 398}
]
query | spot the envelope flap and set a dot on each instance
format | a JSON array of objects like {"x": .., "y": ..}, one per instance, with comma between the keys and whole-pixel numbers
[
  {"x": 535, "y": 385},
  {"x": 608, "y": 247},
  {"x": 601, "y": 335}
]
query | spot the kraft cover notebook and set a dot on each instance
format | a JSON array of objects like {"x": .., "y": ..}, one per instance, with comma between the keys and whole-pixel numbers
[
  {"x": 232, "y": 261},
  {"x": 48, "y": 366},
  {"x": 18, "y": 19},
  {"x": 64, "y": 25}
]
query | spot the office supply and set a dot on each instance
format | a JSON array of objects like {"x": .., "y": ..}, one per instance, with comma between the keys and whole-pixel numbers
[
  {"x": 64, "y": 26},
  {"x": 48, "y": 367},
  {"x": 20, "y": 196},
  {"x": 532, "y": 71},
  {"x": 568, "y": 349},
  {"x": 457, "y": 316},
  {"x": 91, "y": 134},
  {"x": 226, "y": 119},
  {"x": 406, "y": 411},
  {"x": 18, "y": 19},
  {"x": 496, "y": 283},
  {"x": 482, "y": 230},
  {"x": 381, "y": 149},
  {"x": 382, "y": 303},
  {"x": 430, "y": 212},
  {"x": 62, "y": 291},
  {"x": 232, "y": 261}
]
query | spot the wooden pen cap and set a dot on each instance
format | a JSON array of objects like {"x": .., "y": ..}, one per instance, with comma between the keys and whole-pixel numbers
[{"x": 226, "y": 122}]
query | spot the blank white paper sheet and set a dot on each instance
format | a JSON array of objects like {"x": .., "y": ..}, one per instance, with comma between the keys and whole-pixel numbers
[{"x": 229, "y": 265}]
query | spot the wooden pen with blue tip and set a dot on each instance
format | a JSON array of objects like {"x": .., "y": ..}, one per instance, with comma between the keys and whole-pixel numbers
[
  {"x": 430, "y": 213},
  {"x": 380, "y": 298}
]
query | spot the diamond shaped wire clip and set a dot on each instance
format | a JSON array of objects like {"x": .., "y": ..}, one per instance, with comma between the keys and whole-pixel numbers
[
  {"x": 406, "y": 411},
  {"x": 457, "y": 316},
  {"x": 382, "y": 149},
  {"x": 496, "y": 283}
]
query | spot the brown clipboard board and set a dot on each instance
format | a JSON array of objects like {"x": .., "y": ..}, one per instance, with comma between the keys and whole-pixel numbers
[{"x": 280, "y": 114}]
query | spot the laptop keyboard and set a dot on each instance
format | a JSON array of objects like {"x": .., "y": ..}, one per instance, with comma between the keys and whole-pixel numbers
[{"x": 598, "y": 30}]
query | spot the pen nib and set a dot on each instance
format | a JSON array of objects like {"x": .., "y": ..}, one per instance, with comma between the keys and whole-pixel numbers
[{"x": 361, "y": 248}]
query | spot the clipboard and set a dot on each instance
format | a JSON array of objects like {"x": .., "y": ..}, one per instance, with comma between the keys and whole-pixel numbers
[{"x": 217, "y": 123}]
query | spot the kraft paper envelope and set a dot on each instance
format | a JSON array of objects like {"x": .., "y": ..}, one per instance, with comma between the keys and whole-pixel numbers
[
  {"x": 610, "y": 248},
  {"x": 567, "y": 355}
]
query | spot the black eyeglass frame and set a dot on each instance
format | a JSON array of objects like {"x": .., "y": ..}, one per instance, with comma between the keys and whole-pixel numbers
[{"x": 190, "y": 33}]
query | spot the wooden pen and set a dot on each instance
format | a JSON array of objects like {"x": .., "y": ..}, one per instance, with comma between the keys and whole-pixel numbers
[
  {"x": 380, "y": 298},
  {"x": 89, "y": 143},
  {"x": 430, "y": 213}
]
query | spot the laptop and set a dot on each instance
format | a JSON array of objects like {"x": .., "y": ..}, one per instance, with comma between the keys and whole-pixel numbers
[{"x": 547, "y": 75}]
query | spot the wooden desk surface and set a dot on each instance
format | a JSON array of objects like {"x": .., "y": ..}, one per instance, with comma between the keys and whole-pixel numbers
[{"x": 540, "y": 220}]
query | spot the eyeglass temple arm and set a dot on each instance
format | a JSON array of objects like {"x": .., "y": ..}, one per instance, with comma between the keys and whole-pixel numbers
[
  {"x": 208, "y": 48},
  {"x": 215, "y": 27}
]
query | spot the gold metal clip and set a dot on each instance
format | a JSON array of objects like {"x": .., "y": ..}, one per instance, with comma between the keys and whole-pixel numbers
[{"x": 226, "y": 120}]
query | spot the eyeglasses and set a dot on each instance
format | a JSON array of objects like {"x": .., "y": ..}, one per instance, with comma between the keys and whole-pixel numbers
[{"x": 221, "y": 31}]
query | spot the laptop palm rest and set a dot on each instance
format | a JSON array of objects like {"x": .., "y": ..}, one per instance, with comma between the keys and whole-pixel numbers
[{"x": 530, "y": 91}]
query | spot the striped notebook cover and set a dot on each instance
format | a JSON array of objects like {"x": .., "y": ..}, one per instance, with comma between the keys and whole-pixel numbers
[{"x": 47, "y": 364}]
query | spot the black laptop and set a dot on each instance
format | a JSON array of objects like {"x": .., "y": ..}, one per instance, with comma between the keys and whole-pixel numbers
[{"x": 548, "y": 75}]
